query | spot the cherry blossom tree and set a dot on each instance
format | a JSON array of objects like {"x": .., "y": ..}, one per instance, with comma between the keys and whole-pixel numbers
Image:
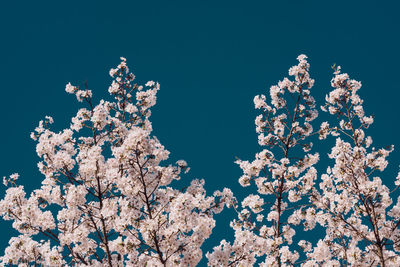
[
  {"x": 283, "y": 174},
  {"x": 354, "y": 206},
  {"x": 106, "y": 200}
]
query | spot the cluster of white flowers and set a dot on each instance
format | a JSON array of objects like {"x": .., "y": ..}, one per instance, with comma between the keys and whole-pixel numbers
[
  {"x": 80, "y": 94},
  {"x": 106, "y": 198}
]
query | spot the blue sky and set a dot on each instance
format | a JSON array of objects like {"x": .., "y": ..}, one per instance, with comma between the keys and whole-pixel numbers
[{"x": 211, "y": 58}]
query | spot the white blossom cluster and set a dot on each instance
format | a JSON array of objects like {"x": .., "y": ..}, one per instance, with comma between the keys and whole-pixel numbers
[{"x": 106, "y": 199}]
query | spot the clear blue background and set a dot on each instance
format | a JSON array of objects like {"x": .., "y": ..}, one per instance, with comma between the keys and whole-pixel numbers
[{"x": 211, "y": 59}]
